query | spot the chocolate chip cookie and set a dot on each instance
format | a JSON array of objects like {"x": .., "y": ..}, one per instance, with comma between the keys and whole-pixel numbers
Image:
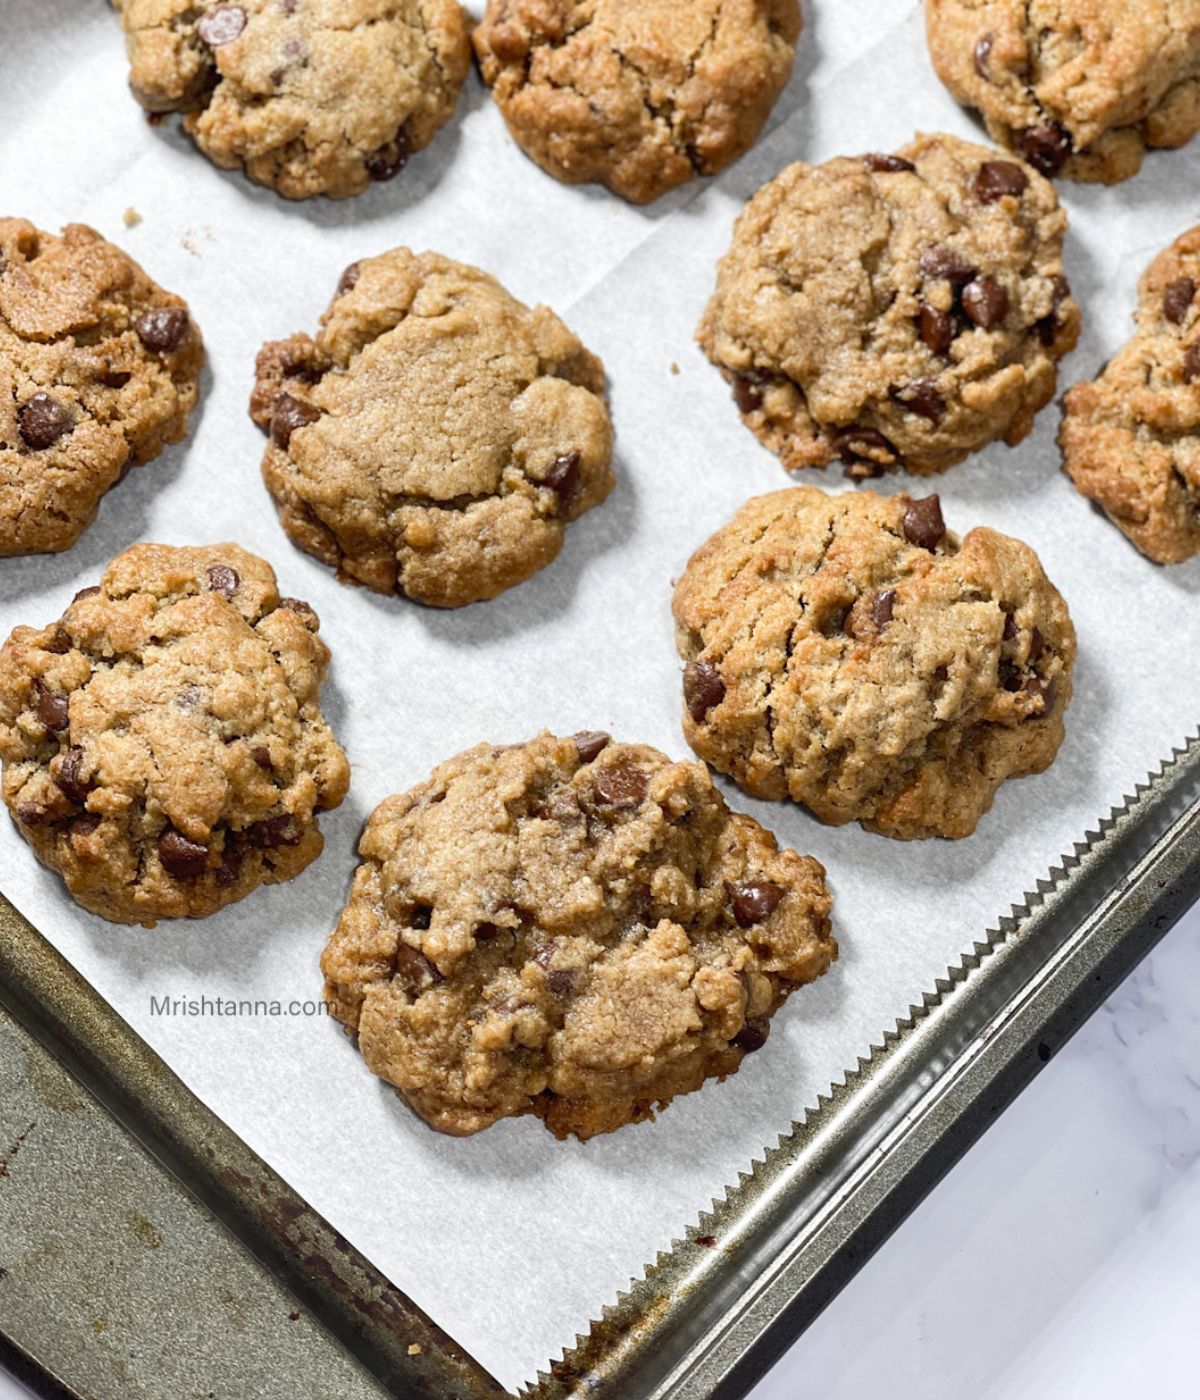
[
  {"x": 849, "y": 653},
  {"x": 98, "y": 373},
  {"x": 1081, "y": 88},
  {"x": 1131, "y": 437},
  {"x": 306, "y": 96},
  {"x": 436, "y": 436},
  {"x": 638, "y": 95},
  {"x": 162, "y": 744},
  {"x": 894, "y": 310},
  {"x": 573, "y": 928}
]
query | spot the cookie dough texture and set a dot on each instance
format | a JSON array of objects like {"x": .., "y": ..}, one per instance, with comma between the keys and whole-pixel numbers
[
  {"x": 638, "y": 95},
  {"x": 1079, "y": 87},
  {"x": 894, "y": 310},
  {"x": 98, "y": 373},
  {"x": 572, "y": 928},
  {"x": 1131, "y": 437},
  {"x": 306, "y": 96},
  {"x": 849, "y": 653},
  {"x": 437, "y": 436},
  {"x": 162, "y": 744}
]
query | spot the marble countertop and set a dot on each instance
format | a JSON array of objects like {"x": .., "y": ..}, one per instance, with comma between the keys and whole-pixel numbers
[{"x": 1060, "y": 1257}]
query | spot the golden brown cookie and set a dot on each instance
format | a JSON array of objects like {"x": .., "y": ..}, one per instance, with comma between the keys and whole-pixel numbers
[
  {"x": 437, "y": 436},
  {"x": 1131, "y": 437},
  {"x": 638, "y": 95},
  {"x": 162, "y": 743},
  {"x": 98, "y": 373},
  {"x": 306, "y": 96},
  {"x": 849, "y": 653},
  {"x": 894, "y": 310},
  {"x": 572, "y": 928},
  {"x": 1081, "y": 88}
]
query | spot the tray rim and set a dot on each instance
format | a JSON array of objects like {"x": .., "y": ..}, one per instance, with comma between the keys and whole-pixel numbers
[{"x": 1063, "y": 950}]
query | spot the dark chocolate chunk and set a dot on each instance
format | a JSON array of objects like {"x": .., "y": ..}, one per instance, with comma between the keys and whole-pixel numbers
[
  {"x": 390, "y": 160},
  {"x": 621, "y": 785},
  {"x": 222, "y": 579},
  {"x": 921, "y": 397},
  {"x": 413, "y": 968},
  {"x": 163, "y": 329},
  {"x": 985, "y": 302},
  {"x": 349, "y": 279},
  {"x": 563, "y": 476},
  {"x": 53, "y": 708},
  {"x": 1046, "y": 147},
  {"x": 942, "y": 264},
  {"x": 70, "y": 778},
  {"x": 1177, "y": 300},
  {"x": 591, "y": 742},
  {"x": 42, "y": 420},
  {"x": 289, "y": 414},
  {"x": 703, "y": 688},
  {"x": 923, "y": 524},
  {"x": 937, "y": 328},
  {"x": 887, "y": 164},
  {"x": 747, "y": 393},
  {"x": 997, "y": 178},
  {"x": 753, "y": 901},
  {"x": 181, "y": 858},
  {"x": 753, "y": 1035},
  {"x": 882, "y": 606}
]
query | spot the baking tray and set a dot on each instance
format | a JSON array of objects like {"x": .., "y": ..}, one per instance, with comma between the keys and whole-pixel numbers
[{"x": 193, "y": 1226}]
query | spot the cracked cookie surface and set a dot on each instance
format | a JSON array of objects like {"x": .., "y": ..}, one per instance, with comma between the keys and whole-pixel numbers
[
  {"x": 162, "y": 743},
  {"x": 98, "y": 373},
  {"x": 849, "y": 653},
  {"x": 894, "y": 310},
  {"x": 1081, "y": 88},
  {"x": 638, "y": 95},
  {"x": 572, "y": 928},
  {"x": 1131, "y": 437},
  {"x": 306, "y": 96},
  {"x": 437, "y": 436}
]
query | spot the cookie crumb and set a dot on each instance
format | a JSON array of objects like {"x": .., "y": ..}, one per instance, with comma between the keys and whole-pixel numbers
[
  {"x": 132, "y": 217},
  {"x": 674, "y": 367},
  {"x": 414, "y": 1349}
]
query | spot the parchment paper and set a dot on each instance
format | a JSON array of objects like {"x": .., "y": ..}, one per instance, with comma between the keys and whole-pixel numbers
[{"x": 513, "y": 1241}]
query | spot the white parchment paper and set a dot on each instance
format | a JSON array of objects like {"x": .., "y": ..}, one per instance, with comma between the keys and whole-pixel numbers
[{"x": 511, "y": 1240}]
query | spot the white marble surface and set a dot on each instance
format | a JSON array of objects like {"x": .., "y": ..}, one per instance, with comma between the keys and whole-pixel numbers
[{"x": 1061, "y": 1257}]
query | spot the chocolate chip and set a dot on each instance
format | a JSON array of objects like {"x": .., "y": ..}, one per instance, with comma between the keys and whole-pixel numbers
[
  {"x": 86, "y": 593},
  {"x": 753, "y": 1035},
  {"x": 42, "y": 421},
  {"x": 221, "y": 25},
  {"x": 115, "y": 378},
  {"x": 882, "y": 606},
  {"x": 983, "y": 54},
  {"x": 53, "y": 708},
  {"x": 421, "y": 916},
  {"x": 1046, "y": 147},
  {"x": 1191, "y": 362},
  {"x": 349, "y": 279},
  {"x": 921, "y": 397},
  {"x": 591, "y": 742},
  {"x": 414, "y": 969},
  {"x": 754, "y": 901},
  {"x": 288, "y": 415},
  {"x": 272, "y": 832},
  {"x": 296, "y": 605},
  {"x": 1010, "y": 627},
  {"x": 60, "y": 643},
  {"x": 262, "y": 756},
  {"x": 997, "y": 178},
  {"x": 985, "y": 302},
  {"x": 942, "y": 264},
  {"x": 484, "y": 933},
  {"x": 563, "y": 476},
  {"x": 181, "y": 858},
  {"x": 747, "y": 393},
  {"x": 1177, "y": 300},
  {"x": 937, "y": 328},
  {"x": 391, "y": 159},
  {"x": 70, "y": 780},
  {"x": 621, "y": 785},
  {"x": 923, "y": 524},
  {"x": 84, "y": 824},
  {"x": 563, "y": 807},
  {"x": 1035, "y": 687},
  {"x": 163, "y": 329},
  {"x": 1010, "y": 675},
  {"x": 703, "y": 688},
  {"x": 886, "y": 164},
  {"x": 29, "y": 815},
  {"x": 227, "y": 872},
  {"x": 1037, "y": 645},
  {"x": 223, "y": 579},
  {"x": 560, "y": 983},
  {"x": 854, "y": 443}
]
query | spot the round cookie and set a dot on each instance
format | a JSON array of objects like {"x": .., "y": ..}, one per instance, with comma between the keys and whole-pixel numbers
[
  {"x": 894, "y": 310},
  {"x": 436, "y": 436},
  {"x": 98, "y": 373},
  {"x": 306, "y": 96},
  {"x": 1131, "y": 437},
  {"x": 1081, "y": 88},
  {"x": 849, "y": 653},
  {"x": 162, "y": 744},
  {"x": 638, "y": 95},
  {"x": 572, "y": 928}
]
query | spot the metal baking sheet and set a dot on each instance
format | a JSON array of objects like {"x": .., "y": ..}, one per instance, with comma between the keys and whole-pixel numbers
[{"x": 462, "y": 1227}]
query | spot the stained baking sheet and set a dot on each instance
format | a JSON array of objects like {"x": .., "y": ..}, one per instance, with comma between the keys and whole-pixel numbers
[{"x": 512, "y": 1241}]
